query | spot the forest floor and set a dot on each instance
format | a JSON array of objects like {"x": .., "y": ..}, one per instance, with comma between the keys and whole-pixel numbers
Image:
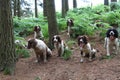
[{"x": 59, "y": 69}]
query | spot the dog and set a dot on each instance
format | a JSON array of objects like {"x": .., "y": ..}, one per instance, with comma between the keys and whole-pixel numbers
[
  {"x": 38, "y": 33},
  {"x": 41, "y": 50},
  {"x": 85, "y": 48},
  {"x": 70, "y": 24},
  {"x": 111, "y": 41},
  {"x": 59, "y": 45}
]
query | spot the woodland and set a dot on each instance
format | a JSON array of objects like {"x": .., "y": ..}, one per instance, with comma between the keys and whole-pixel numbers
[{"x": 17, "y": 22}]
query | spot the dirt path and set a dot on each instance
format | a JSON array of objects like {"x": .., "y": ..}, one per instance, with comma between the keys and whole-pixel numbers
[{"x": 59, "y": 69}]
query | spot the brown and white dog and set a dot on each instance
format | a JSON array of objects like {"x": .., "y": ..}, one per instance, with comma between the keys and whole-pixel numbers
[
  {"x": 70, "y": 24},
  {"x": 41, "y": 50},
  {"x": 38, "y": 33},
  {"x": 111, "y": 41},
  {"x": 85, "y": 48},
  {"x": 59, "y": 45}
]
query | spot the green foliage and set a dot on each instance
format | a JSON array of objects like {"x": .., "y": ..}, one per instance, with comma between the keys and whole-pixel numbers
[
  {"x": 114, "y": 6},
  {"x": 62, "y": 24},
  {"x": 21, "y": 51},
  {"x": 24, "y": 27},
  {"x": 113, "y": 18},
  {"x": 84, "y": 21},
  {"x": 107, "y": 57},
  {"x": 67, "y": 54},
  {"x": 7, "y": 71},
  {"x": 70, "y": 43},
  {"x": 101, "y": 9},
  {"x": 37, "y": 78}
]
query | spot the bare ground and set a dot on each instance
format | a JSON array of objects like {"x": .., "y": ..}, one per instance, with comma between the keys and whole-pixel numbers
[{"x": 59, "y": 69}]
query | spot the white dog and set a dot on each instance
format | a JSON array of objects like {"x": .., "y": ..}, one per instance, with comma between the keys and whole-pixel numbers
[
  {"x": 111, "y": 41},
  {"x": 41, "y": 50},
  {"x": 85, "y": 48},
  {"x": 70, "y": 24},
  {"x": 38, "y": 33},
  {"x": 59, "y": 45}
]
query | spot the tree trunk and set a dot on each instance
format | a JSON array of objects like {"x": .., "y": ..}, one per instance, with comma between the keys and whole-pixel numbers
[
  {"x": 44, "y": 8},
  {"x": 7, "y": 47},
  {"x": 52, "y": 22},
  {"x": 15, "y": 7},
  {"x": 63, "y": 9},
  {"x": 113, "y": 0},
  {"x": 66, "y": 5},
  {"x": 106, "y": 2},
  {"x": 74, "y": 4},
  {"x": 18, "y": 9},
  {"x": 36, "y": 12}
]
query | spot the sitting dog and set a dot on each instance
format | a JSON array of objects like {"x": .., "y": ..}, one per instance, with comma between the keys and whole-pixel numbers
[
  {"x": 38, "y": 33},
  {"x": 58, "y": 44},
  {"x": 70, "y": 23},
  {"x": 85, "y": 48},
  {"x": 111, "y": 41},
  {"x": 41, "y": 50}
]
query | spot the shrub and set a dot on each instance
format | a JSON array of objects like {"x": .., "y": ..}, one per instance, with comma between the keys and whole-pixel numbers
[{"x": 67, "y": 54}]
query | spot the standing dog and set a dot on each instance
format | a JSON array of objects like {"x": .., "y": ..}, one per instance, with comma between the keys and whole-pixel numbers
[
  {"x": 41, "y": 50},
  {"x": 58, "y": 44},
  {"x": 85, "y": 48},
  {"x": 38, "y": 33},
  {"x": 111, "y": 41},
  {"x": 70, "y": 23}
]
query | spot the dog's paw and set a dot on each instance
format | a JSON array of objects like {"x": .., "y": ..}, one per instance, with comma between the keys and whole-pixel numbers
[
  {"x": 45, "y": 61},
  {"x": 90, "y": 59},
  {"x": 81, "y": 60},
  {"x": 36, "y": 61},
  {"x": 108, "y": 54}
]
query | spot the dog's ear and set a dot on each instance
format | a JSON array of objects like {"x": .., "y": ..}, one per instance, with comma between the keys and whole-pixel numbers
[
  {"x": 67, "y": 22},
  {"x": 72, "y": 23},
  {"x": 78, "y": 38},
  {"x": 85, "y": 39},
  {"x": 52, "y": 40},
  {"x": 35, "y": 28},
  {"x": 59, "y": 39},
  {"x": 31, "y": 43},
  {"x": 39, "y": 28}
]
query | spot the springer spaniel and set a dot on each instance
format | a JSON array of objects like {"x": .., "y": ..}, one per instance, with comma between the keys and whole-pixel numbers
[
  {"x": 38, "y": 33},
  {"x": 85, "y": 48},
  {"x": 70, "y": 23},
  {"x": 41, "y": 50},
  {"x": 111, "y": 41},
  {"x": 58, "y": 44}
]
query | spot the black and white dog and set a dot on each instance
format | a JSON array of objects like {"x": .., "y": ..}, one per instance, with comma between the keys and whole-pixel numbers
[
  {"x": 38, "y": 33},
  {"x": 85, "y": 48},
  {"x": 70, "y": 24},
  {"x": 59, "y": 45},
  {"x": 111, "y": 41},
  {"x": 41, "y": 50}
]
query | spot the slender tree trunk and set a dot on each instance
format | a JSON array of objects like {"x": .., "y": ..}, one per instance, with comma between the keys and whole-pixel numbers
[
  {"x": 18, "y": 9},
  {"x": 113, "y": 0},
  {"x": 7, "y": 47},
  {"x": 66, "y": 5},
  {"x": 63, "y": 9},
  {"x": 74, "y": 4},
  {"x": 106, "y": 2},
  {"x": 36, "y": 12},
  {"x": 52, "y": 22},
  {"x": 15, "y": 8},
  {"x": 45, "y": 8}
]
